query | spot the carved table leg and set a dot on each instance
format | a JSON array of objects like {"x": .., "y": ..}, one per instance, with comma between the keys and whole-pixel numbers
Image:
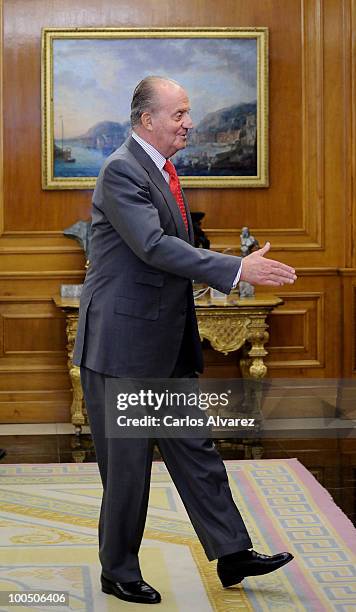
[
  {"x": 78, "y": 418},
  {"x": 258, "y": 337},
  {"x": 253, "y": 369},
  {"x": 78, "y": 456},
  {"x": 78, "y": 411}
]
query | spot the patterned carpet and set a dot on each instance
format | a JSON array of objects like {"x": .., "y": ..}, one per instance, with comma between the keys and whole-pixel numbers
[{"x": 48, "y": 540}]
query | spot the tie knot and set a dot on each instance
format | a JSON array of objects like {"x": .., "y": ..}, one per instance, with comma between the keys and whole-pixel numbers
[{"x": 169, "y": 167}]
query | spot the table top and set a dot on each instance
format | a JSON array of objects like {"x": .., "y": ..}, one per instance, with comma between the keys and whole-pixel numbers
[{"x": 232, "y": 301}]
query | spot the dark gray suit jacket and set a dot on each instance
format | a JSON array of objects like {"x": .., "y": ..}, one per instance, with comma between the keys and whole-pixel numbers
[{"x": 137, "y": 294}]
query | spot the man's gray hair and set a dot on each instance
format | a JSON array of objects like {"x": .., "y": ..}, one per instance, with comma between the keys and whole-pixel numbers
[{"x": 144, "y": 97}]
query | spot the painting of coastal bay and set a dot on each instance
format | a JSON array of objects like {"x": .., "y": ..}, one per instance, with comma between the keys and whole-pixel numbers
[{"x": 88, "y": 80}]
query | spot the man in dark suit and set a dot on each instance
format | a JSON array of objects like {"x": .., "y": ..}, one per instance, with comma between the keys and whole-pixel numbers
[{"x": 137, "y": 319}]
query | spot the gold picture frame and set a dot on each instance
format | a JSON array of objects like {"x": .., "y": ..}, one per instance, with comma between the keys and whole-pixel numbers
[{"x": 88, "y": 75}]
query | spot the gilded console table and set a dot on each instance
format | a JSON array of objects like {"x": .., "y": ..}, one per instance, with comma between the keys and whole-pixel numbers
[
  {"x": 229, "y": 325},
  {"x": 235, "y": 323}
]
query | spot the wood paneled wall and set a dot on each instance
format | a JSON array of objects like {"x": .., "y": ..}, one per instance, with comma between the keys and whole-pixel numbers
[{"x": 308, "y": 212}]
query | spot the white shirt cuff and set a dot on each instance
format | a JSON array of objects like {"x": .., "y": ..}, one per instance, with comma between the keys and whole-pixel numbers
[{"x": 237, "y": 277}]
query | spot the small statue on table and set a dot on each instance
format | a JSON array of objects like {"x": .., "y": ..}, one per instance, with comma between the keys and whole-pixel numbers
[
  {"x": 200, "y": 238},
  {"x": 248, "y": 244},
  {"x": 79, "y": 231}
]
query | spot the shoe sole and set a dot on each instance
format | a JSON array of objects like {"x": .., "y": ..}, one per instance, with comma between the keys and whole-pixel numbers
[
  {"x": 230, "y": 582},
  {"x": 109, "y": 591}
]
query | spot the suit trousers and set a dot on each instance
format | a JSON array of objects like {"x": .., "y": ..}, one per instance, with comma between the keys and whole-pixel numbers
[{"x": 196, "y": 469}]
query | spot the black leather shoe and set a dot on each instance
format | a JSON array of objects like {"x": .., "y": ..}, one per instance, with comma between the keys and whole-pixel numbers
[
  {"x": 137, "y": 591},
  {"x": 234, "y": 568}
]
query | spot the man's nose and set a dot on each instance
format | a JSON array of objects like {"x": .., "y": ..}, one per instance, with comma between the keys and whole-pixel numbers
[{"x": 188, "y": 123}]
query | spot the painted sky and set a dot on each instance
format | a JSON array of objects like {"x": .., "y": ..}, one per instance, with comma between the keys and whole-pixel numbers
[{"x": 94, "y": 79}]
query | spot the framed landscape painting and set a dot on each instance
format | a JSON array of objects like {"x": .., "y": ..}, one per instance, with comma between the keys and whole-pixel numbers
[{"x": 88, "y": 77}]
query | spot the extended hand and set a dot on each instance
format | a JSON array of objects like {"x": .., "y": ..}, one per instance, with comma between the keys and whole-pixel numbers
[{"x": 260, "y": 271}]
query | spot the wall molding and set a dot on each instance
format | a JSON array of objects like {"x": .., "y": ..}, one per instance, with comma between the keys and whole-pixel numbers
[
  {"x": 313, "y": 201},
  {"x": 316, "y": 361}
]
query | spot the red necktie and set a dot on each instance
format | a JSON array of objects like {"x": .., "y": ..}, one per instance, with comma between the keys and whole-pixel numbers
[{"x": 174, "y": 186}]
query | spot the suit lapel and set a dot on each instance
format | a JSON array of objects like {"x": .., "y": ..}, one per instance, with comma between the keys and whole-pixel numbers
[{"x": 158, "y": 179}]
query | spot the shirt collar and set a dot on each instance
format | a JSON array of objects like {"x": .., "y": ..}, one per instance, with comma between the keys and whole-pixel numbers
[{"x": 155, "y": 155}]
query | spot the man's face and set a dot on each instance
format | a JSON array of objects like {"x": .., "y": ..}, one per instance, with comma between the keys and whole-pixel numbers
[{"x": 171, "y": 121}]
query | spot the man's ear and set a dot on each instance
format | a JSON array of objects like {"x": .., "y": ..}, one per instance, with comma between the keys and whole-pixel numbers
[{"x": 146, "y": 121}]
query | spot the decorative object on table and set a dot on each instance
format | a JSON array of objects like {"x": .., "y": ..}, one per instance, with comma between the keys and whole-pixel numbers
[
  {"x": 227, "y": 76},
  {"x": 79, "y": 231},
  {"x": 71, "y": 291},
  {"x": 248, "y": 244},
  {"x": 200, "y": 238},
  {"x": 217, "y": 297}
]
